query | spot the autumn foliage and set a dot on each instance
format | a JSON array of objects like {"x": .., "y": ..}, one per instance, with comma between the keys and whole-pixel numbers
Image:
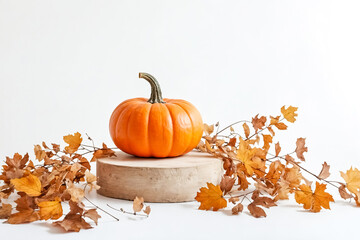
[
  {"x": 255, "y": 166},
  {"x": 257, "y": 174},
  {"x": 60, "y": 177}
]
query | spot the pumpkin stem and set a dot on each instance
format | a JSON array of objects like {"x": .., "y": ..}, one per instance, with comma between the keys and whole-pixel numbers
[{"x": 156, "y": 96}]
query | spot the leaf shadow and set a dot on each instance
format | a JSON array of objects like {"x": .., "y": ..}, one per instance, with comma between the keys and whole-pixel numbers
[{"x": 51, "y": 228}]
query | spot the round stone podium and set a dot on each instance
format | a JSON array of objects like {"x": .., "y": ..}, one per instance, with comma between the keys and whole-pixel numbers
[{"x": 175, "y": 179}]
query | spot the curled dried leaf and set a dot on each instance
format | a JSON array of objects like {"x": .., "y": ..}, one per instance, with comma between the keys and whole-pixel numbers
[
  {"x": 237, "y": 208},
  {"x": 138, "y": 204}
]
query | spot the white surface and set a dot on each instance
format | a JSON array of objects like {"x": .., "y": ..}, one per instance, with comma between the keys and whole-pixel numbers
[{"x": 65, "y": 65}]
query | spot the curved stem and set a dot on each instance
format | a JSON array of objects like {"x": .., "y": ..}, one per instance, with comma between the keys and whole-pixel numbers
[{"x": 156, "y": 96}]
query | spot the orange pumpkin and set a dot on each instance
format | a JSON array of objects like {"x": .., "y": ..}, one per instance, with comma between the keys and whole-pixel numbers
[{"x": 155, "y": 127}]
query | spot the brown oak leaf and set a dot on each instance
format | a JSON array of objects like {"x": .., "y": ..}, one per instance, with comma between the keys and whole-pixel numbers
[
  {"x": 226, "y": 184},
  {"x": 5, "y": 211},
  {"x": 25, "y": 216},
  {"x": 73, "y": 222},
  {"x": 258, "y": 123},
  {"x": 237, "y": 208},
  {"x": 147, "y": 210},
  {"x": 93, "y": 215},
  {"x": 256, "y": 211}
]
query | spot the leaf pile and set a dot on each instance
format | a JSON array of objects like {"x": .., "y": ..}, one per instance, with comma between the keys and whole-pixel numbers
[
  {"x": 44, "y": 188},
  {"x": 253, "y": 157}
]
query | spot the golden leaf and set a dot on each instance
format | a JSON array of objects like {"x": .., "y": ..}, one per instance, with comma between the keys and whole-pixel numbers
[
  {"x": 352, "y": 179},
  {"x": 313, "y": 201},
  {"x": 30, "y": 185},
  {"x": 246, "y": 130},
  {"x": 211, "y": 197},
  {"x": 74, "y": 142},
  {"x": 289, "y": 113},
  {"x": 267, "y": 141},
  {"x": 50, "y": 209}
]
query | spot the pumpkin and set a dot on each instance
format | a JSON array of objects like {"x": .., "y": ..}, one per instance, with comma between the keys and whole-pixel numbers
[{"x": 155, "y": 127}]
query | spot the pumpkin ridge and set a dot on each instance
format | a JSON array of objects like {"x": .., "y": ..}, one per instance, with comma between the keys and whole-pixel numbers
[
  {"x": 172, "y": 128},
  {"x": 172, "y": 123},
  {"x": 192, "y": 126},
  {"x": 126, "y": 143},
  {"x": 147, "y": 131},
  {"x": 116, "y": 115}
]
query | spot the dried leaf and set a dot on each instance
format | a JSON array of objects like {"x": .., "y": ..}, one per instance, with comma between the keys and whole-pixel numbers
[
  {"x": 277, "y": 149},
  {"x": 267, "y": 141},
  {"x": 258, "y": 123},
  {"x": 39, "y": 153},
  {"x": 232, "y": 142},
  {"x": 324, "y": 173},
  {"x": 93, "y": 215},
  {"x": 147, "y": 210},
  {"x": 77, "y": 194},
  {"x": 5, "y": 211},
  {"x": 300, "y": 148},
  {"x": 25, "y": 216},
  {"x": 104, "y": 152},
  {"x": 17, "y": 161},
  {"x": 208, "y": 129},
  {"x": 289, "y": 113},
  {"x": 73, "y": 222},
  {"x": 256, "y": 211},
  {"x": 237, "y": 208},
  {"x": 50, "y": 209},
  {"x": 246, "y": 130},
  {"x": 234, "y": 200},
  {"x": 313, "y": 201},
  {"x": 30, "y": 184},
  {"x": 74, "y": 142},
  {"x": 343, "y": 193},
  {"x": 226, "y": 184},
  {"x": 138, "y": 204},
  {"x": 271, "y": 131},
  {"x": 211, "y": 197},
  {"x": 352, "y": 179}
]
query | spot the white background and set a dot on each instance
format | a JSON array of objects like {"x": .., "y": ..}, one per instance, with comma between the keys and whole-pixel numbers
[{"x": 65, "y": 66}]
